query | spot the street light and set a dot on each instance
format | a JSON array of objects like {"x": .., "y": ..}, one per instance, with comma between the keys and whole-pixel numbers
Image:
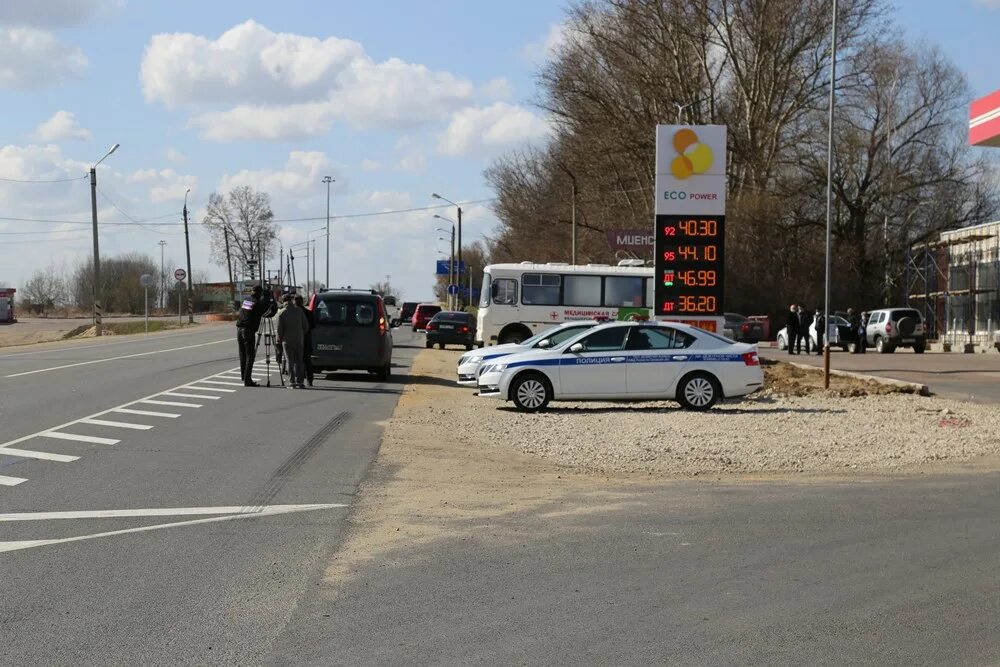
[
  {"x": 328, "y": 180},
  {"x": 437, "y": 196},
  {"x": 452, "y": 269},
  {"x": 97, "y": 251},
  {"x": 829, "y": 198},
  {"x": 187, "y": 245},
  {"x": 163, "y": 276}
]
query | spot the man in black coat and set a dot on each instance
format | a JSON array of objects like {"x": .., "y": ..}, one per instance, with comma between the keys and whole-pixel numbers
[
  {"x": 247, "y": 323},
  {"x": 805, "y": 319},
  {"x": 792, "y": 328},
  {"x": 820, "y": 330},
  {"x": 307, "y": 349}
]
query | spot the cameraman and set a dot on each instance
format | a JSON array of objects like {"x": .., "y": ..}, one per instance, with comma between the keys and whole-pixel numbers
[{"x": 252, "y": 310}]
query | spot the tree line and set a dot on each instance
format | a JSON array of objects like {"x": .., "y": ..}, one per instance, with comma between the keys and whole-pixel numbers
[{"x": 902, "y": 172}]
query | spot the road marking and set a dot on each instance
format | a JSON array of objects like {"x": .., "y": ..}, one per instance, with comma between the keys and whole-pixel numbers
[
  {"x": 241, "y": 513},
  {"x": 11, "y": 481},
  {"x": 176, "y": 404},
  {"x": 75, "y": 437},
  {"x": 29, "y": 454},
  {"x": 192, "y": 386},
  {"x": 177, "y": 394},
  {"x": 228, "y": 384},
  {"x": 160, "y": 511},
  {"x": 146, "y": 413},
  {"x": 106, "y": 422},
  {"x": 140, "y": 338},
  {"x": 125, "y": 356}
]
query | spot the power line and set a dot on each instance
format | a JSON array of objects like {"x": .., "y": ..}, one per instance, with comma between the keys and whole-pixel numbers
[
  {"x": 56, "y": 180},
  {"x": 130, "y": 218}
]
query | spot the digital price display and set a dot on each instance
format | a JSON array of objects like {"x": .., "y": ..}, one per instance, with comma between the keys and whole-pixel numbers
[{"x": 690, "y": 264}]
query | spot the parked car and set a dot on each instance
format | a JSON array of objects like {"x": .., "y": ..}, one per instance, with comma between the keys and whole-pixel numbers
[
  {"x": 352, "y": 332},
  {"x": 450, "y": 327},
  {"x": 891, "y": 328},
  {"x": 741, "y": 328},
  {"x": 406, "y": 312},
  {"x": 628, "y": 361},
  {"x": 423, "y": 314},
  {"x": 845, "y": 340},
  {"x": 469, "y": 364}
]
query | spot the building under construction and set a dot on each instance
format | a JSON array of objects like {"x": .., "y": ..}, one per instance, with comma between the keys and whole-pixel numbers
[{"x": 955, "y": 282}]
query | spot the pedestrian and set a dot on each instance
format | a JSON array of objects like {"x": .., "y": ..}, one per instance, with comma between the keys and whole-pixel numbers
[
  {"x": 292, "y": 326},
  {"x": 862, "y": 333},
  {"x": 854, "y": 321},
  {"x": 792, "y": 327},
  {"x": 820, "y": 321},
  {"x": 804, "y": 321},
  {"x": 247, "y": 322},
  {"x": 307, "y": 347}
]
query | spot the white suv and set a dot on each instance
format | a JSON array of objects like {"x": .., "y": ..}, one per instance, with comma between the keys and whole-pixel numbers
[{"x": 890, "y": 328}]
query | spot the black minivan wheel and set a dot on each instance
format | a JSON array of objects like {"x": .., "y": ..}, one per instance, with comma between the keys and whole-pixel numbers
[{"x": 384, "y": 372}]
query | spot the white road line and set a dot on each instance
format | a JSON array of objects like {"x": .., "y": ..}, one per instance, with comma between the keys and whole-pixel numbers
[
  {"x": 110, "y": 343},
  {"x": 75, "y": 437},
  {"x": 146, "y": 413},
  {"x": 160, "y": 511},
  {"x": 176, "y": 404},
  {"x": 176, "y": 394},
  {"x": 11, "y": 481},
  {"x": 125, "y": 356},
  {"x": 266, "y": 511},
  {"x": 114, "y": 424},
  {"x": 228, "y": 384},
  {"x": 43, "y": 456},
  {"x": 219, "y": 389}
]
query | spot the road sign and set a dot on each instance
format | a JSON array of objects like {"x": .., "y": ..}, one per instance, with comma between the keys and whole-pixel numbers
[
  {"x": 452, "y": 290},
  {"x": 147, "y": 280},
  {"x": 442, "y": 267},
  {"x": 180, "y": 275}
]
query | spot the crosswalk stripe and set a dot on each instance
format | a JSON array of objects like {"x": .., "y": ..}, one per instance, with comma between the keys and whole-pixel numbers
[
  {"x": 76, "y": 437},
  {"x": 113, "y": 424},
  {"x": 177, "y": 394},
  {"x": 219, "y": 389},
  {"x": 228, "y": 384},
  {"x": 11, "y": 481},
  {"x": 29, "y": 454},
  {"x": 176, "y": 404},
  {"x": 147, "y": 413}
]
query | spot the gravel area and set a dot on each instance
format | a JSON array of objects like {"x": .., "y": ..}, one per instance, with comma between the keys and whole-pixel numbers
[{"x": 794, "y": 429}]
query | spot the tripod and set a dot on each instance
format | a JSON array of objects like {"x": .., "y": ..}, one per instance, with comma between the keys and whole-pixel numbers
[{"x": 270, "y": 340}]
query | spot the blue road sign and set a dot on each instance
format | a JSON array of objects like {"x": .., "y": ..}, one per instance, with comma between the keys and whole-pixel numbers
[
  {"x": 442, "y": 267},
  {"x": 452, "y": 290}
]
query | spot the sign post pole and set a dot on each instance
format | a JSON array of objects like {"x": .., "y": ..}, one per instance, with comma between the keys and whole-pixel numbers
[{"x": 146, "y": 280}]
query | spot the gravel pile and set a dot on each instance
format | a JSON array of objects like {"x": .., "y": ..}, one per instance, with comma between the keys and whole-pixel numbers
[{"x": 821, "y": 432}]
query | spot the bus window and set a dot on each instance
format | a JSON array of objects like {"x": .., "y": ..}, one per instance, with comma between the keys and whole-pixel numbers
[
  {"x": 485, "y": 291},
  {"x": 583, "y": 291},
  {"x": 623, "y": 291},
  {"x": 504, "y": 292},
  {"x": 540, "y": 289}
]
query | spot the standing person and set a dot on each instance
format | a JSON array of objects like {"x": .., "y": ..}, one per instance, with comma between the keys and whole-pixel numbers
[
  {"x": 292, "y": 326},
  {"x": 247, "y": 323},
  {"x": 855, "y": 322},
  {"x": 307, "y": 346},
  {"x": 820, "y": 330},
  {"x": 862, "y": 333},
  {"x": 804, "y": 321},
  {"x": 792, "y": 328}
]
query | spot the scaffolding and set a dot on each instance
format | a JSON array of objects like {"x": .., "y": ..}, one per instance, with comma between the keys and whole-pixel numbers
[{"x": 955, "y": 282}]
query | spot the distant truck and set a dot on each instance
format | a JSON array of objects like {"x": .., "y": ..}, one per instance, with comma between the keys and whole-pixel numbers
[{"x": 7, "y": 305}]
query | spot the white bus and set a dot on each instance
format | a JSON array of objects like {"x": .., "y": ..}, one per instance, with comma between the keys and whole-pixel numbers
[{"x": 520, "y": 300}]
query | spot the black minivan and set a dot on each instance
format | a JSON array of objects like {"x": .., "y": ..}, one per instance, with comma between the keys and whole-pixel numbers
[{"x": 352, "y": 332}]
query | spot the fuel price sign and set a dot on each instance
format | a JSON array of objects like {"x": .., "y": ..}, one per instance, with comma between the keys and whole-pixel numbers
[{"x": 690, "y": 265}]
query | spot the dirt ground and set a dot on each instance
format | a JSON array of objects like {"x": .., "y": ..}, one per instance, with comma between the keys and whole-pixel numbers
[
  {"x": 782, "y": 379},
  {"x": 32, "y": 330}
]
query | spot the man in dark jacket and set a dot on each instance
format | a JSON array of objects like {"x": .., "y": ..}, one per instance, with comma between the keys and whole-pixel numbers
[
  {"x": 805, "y": 319},
  {"x": 820, "y": 330},
  {"x": 792, "y": 328},
  {"x": 307, "y": 348},
  {"x": 247, "y": 323}
]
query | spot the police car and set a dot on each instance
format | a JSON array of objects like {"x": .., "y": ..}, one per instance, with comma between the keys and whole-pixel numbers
[
  {"x": 470, "y": 362},
  {"x": 627, "y": 361}
]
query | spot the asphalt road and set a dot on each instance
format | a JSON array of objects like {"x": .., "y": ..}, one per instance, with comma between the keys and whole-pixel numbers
[
  {"x": 964, "y": 377},
  {"x": 250, "y": 489}
]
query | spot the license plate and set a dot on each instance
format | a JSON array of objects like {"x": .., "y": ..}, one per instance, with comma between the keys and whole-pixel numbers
[
  {"x": 909, "y": 340},
  {"x": 447, "y": 326},
  {"x": 330, "y": 347}
]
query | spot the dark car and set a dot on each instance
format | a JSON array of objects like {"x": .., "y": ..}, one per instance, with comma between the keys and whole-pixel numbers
[
  {"x": 741, "y": 328},
  {"x": 451, "y": 327},
  {"x": 423, "y": 314},
  {"x": 406, "y": 311},
  {"x": 352, "y": 332}
]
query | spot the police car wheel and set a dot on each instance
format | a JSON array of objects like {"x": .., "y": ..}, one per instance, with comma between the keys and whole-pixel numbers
[
  {"x": 530, "y": 393},
  {"x": 698, "y": 392}
]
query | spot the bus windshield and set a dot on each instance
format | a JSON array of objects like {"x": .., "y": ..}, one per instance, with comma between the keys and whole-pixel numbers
[{"x": 484, "y": 296}]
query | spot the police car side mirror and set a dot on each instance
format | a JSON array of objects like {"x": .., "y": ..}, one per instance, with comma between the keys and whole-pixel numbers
[
  {"x": 544, "y": 343},
  {"x": 576, "y": 347}
]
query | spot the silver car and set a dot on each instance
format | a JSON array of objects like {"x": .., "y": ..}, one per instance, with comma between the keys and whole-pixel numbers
[{"x": 890, "y": 328}]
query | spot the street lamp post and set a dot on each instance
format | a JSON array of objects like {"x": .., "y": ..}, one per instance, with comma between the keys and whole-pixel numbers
[
  {"x": 452, "y": 268},
  {"x": 163, "y": 275},
  {"x": 829, "y": 198},
  {"x": 437, "y": 196},
  {"x": 187, "y": 245},
  {"x": 98, "y": 315},
  {"x": 328, "y": 180}
]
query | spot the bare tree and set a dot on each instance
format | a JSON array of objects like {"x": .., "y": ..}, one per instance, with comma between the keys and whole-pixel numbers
[
  {"x": 44, "y": 291},
  {"x": 385, "y": 288},
  {"x": 245, "y": 221}
]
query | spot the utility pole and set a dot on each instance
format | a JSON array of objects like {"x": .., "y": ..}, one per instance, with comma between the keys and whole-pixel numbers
[
  {"x": 187, "y": 245},
  {"x": 163, "y": 277},
  {"x": 98, "y": 315},
  {"x": 328, "y": 180},
  {"x": 829, "y": 197},
  {"x": 458, "y": 269},
  {"x": 229, "y": 266}
]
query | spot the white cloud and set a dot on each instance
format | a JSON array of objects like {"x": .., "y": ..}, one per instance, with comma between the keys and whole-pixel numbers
[
  {"x": 173, "y": 155},
  {"x": 371, "y": 165},
  {"x": 61, "y": 126},
  {"x": 386, "y": 200},
  {"x": 994, "y": 4},
  {"x": 167, "y": 184},
  {"x": 498, "y": 89},
  {"x": 303, "y": 173},
  {"x": 544, "y": 48},
  {"x": 286, "y": 86},
  {"x": 31, "y": 59},
  {"x": 413, "y": 163},
  {"x": 51, "y": 13},
  {"x": 495, "y": 127}
]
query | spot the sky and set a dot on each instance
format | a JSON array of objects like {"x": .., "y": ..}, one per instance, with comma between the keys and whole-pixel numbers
[{"x": 393, "y": 99}]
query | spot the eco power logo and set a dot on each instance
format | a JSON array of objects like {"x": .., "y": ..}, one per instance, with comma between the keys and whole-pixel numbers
[{"x": 694, "y": 157}]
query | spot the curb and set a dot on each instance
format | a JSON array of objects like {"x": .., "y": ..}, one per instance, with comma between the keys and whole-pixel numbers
[{"x": 914, "y": 387}]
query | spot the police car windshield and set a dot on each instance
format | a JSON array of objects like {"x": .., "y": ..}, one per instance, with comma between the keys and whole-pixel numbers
[{"x": 558, "y": 334}]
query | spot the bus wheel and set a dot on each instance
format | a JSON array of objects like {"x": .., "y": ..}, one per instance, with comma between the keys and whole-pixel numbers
[{"x": 516, "y": 334}]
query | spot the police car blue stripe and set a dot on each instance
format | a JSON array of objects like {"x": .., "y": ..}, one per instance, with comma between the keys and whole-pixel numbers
[{"x": 629, "y": 359}]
